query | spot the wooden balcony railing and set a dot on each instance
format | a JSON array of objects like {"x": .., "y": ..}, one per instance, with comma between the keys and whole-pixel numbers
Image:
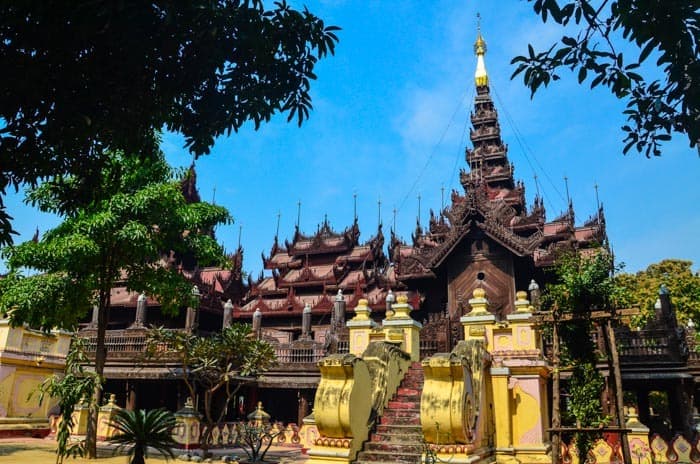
[
  {"x": 343, "y": 347},
  {"x": 647, "y": 346},
  {"x": 428, "y": 348},
  {"x": 637, "y": 346},
  {"x": 124, "y": 344},
  {"x": 299, "y": 353}
]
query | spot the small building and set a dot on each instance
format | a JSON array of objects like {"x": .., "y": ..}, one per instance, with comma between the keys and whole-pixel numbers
[{"x": 27, "y": 358}]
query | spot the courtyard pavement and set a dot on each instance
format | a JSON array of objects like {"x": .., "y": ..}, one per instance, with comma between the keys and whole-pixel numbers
[{"x": 41, "y": 451}]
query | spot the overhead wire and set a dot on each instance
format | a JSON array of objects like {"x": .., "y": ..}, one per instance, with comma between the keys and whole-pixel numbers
[
  {"x": 525, "y": 149},
  {"x": 432, "y": 154}
]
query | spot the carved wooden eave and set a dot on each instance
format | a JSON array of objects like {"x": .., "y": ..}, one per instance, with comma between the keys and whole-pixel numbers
[
  {"x": 324, "y": 303},
  {"x": 325, "y": 240}
]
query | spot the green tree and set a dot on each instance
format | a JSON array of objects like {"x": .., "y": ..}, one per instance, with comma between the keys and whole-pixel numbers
[
  {"x": 94, "y": 77},
  {"x": 582, "y": 284},
  {"x": 123, "y": 232},
  {"x": 139, "y": 430},
  {"x": 216, "y": 365},
  {"x": 75, "y": 385},
  {"x": 682, "y": 283},
  {"x": 668, "y": 30}
]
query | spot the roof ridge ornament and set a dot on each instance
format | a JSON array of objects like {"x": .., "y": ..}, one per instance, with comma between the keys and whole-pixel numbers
[{"x": 480, "y": 76}]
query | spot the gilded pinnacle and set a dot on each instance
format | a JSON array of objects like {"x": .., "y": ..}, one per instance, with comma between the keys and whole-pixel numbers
[{"x": 481, "y": 76}]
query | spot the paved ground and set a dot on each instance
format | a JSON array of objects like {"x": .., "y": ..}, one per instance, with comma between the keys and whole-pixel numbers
[{"x": 41, "y": 451}]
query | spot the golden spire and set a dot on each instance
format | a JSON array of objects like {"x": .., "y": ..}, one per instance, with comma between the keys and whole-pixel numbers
[{"x": 480, "y": 77}]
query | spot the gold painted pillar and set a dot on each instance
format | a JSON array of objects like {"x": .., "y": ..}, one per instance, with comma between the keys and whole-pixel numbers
[
  {"x": 104, "y": 418},
  {"x": 477, "y": 323},
  {"x": 401, "y": 329},
  {"x": 360, "y": 328},
  {"x": 502, "y": 411},
  {"x": 80, "y": 418}
]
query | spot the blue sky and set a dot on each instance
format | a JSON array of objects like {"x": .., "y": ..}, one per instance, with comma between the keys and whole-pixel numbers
[{"x": 389, "y": 120}]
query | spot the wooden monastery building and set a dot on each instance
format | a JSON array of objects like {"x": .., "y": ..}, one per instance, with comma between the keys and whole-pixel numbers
[{"x": 487, "y": 236}]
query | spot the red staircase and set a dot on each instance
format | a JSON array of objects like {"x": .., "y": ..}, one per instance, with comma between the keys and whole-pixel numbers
[{"x": 398, "y": 437}]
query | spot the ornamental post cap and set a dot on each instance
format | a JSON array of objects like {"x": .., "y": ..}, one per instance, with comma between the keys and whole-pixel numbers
[
  {"x": 533, "y": 285},
  {"x": 390, "y": 298},
  {"x": 307, "y": 308},
  {"x": 339, "y": 295},
  {"x": 479, "y": 293},
  {"x": 402, "y": 299}
]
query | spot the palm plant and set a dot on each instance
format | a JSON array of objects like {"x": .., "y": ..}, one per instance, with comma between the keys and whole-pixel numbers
[{"x": 139, "y": 430}]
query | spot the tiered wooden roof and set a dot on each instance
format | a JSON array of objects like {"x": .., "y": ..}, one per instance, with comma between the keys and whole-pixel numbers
[
  {"x": 492, "y": 203},
  {"x": 312, "y": 268}
]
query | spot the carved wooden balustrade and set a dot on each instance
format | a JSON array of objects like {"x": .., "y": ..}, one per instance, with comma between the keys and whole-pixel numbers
[
  {"x": 645, "y": 345},
  {"x": 641, "y": 347},
  {"x": 300, "y": 352},
  {"x": 124, "y": 344}
]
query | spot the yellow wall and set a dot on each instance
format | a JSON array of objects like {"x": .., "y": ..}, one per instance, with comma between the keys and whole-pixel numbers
[{"x": 27, "y": 358}]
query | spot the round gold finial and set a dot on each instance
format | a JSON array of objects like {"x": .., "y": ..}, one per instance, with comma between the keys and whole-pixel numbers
[
  {"x": 402, "y": 299},
  {"x": 521, "y": 296},
  {"x": 480, "y": 45},
  {"x": 362, "y": 302},
  {"x": 479, "y": 293}
]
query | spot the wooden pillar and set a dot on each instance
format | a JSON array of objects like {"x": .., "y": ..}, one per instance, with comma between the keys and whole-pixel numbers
[
  {"x": 303, "y": 406},
  {"x": 130, "y": 396},
  {"x": 643, "y": 405}
]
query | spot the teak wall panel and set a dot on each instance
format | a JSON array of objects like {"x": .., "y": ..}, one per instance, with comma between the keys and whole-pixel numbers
[{"x": 472, "y": 258}]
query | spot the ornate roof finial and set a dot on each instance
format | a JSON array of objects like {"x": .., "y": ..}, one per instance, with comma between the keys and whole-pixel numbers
[{"x": 480, "y": 77}]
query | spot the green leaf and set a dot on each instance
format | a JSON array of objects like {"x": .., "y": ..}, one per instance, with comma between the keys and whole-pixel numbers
[{"x": 582, "y": 74}]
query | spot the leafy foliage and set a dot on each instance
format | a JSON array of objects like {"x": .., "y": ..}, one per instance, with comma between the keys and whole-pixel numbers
[
  {"x": 139, "y": 430},
  {"x": 678, "y": 277},
  {"x": 75, "y": 386},
  {"x": 583, "y": 283},
  {"x": 98, "y": 77},
  {"x": 120, "y": 232},
  {"x": 666, "y": 29},
  {"x": 256, "y": 439},
  {"x": 217, "y": 364},
  {"x": 124, "y": 229}
]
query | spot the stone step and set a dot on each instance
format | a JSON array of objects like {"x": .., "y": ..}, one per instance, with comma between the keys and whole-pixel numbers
[
  {"x": 397, "y": 438},
  {"x": 389, "y": 456},
  {"x": 394, "y": 447},
  {"x": 408, "y": 392},
  {"x": 399, "y": 428},
  {"x": 414, "y": 385},
  {"x": 413, "y": 419},
  {"x": 401, "y": 403}
]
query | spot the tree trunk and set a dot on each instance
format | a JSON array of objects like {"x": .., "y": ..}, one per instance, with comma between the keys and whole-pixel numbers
[
  {"x": 556, "y": 415},
  {"x": 100, "y": 358},
  {"x": 619, "y": 399}
]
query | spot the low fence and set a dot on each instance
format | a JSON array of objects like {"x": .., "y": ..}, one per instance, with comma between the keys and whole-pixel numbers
[
  {"x": 225, "y": 435},
  {"x": 642, "y": 451}
]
